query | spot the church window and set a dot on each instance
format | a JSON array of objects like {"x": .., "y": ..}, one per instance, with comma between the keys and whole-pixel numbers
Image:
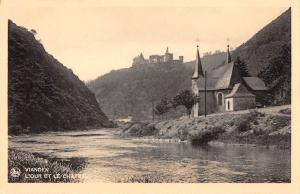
[{"x": 220, "y": 99}]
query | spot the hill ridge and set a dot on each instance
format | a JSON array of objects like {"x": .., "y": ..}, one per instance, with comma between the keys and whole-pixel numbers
[{"x": 42, "y": 93}]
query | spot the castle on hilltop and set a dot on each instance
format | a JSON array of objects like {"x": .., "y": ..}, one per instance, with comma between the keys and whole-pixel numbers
[{"x": 166, "y": 58}]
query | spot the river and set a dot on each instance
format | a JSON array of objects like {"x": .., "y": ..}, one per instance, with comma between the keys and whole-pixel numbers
[{"x": 107, "y": 157}]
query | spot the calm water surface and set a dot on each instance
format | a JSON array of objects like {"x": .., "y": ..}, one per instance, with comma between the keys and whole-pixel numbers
[{"x": 109, "y": 158}]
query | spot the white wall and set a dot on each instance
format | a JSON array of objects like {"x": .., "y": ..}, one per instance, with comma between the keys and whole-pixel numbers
[{"x": 230, "y": 100}]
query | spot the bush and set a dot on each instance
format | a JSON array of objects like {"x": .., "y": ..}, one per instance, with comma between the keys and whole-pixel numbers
[
  {"x": 279, "y": 121},
  {"x": 140, "y": 129},
  {"x": 255, "y": 113},
  {"x": 183, "y": 133},
  {"x": 243, "y": 123},
  {"x": 207, "y": 135}
]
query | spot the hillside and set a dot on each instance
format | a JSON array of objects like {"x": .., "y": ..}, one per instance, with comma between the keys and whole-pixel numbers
[
  {"x": 42, "y": 93},
  {"x": 128, "y": 92},
  {"x": 266, "y": 44},
  {"x": 261, "y": 48},
  {"x": 209, "y": 62}
]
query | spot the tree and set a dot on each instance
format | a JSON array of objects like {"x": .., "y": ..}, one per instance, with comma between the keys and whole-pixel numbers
[
  {"x": 277, "y": 75},
  {"x": 33, "y": 31},
  {"x": 185, "y": 98},
  {"x": 217, "y": 52},
  {"x": 242, "y": 66},
  {"x": 162, "y": 107}
]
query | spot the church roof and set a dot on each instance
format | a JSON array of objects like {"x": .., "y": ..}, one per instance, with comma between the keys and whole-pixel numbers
[
  {"x": 225, "y": 79},
  {"x": 255, "y": 83},
  {"x": 224, "y": 76},
  {"x": 220, "y": 78},
  {"x": 210, "y": 83},
  {"x": 239, "y": 90}
]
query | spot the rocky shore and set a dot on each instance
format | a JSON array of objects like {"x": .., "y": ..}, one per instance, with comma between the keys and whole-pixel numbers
[{"x": 266, "y": 126}]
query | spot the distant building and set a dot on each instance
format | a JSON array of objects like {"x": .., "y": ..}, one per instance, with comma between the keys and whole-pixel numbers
[
  {"x": 125, "y": 120},
  {"x": 224, "y": 88},
  {"x": 153, "y": 59},
  {"x": 139, "y": 60}
]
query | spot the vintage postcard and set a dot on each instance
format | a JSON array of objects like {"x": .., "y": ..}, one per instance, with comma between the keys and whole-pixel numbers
[{"x": 100, "y": 93}]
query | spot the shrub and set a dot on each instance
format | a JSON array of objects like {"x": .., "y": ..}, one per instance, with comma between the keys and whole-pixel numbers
[
  {"x": 255, "y": 113},
  {"x": 140, "y": 129},
  {"x": 243, "y": 123},
  {"x": 207, "y": 135},
  {"x": 279, "y": 121},
  {"x": 183, "y": 133}
]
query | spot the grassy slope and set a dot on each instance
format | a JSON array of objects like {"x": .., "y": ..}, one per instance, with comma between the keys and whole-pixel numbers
[{"x": 269, "y": 126}]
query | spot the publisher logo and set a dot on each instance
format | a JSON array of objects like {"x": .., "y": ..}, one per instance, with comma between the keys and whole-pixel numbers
[{"x": 15, "y": 172}]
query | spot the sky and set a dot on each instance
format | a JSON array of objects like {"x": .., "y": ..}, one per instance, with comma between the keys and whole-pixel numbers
[{"x": 94, "y": 39}]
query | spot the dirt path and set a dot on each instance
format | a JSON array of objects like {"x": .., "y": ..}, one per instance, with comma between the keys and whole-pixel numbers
[{"x": 269, "y": 110}]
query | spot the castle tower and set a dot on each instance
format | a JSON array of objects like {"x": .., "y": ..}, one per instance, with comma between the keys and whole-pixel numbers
[
  {"x": 228, "y": 60},
  {"x": 142, "y": 56},
  {"x": 197, "y": 73},
  {"x": 168, "y": 56}
]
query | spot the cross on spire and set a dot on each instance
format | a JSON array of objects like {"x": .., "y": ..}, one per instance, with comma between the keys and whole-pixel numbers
[{"x": 228, "y": 55}]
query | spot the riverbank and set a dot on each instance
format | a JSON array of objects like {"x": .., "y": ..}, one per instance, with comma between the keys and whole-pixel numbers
[
  {"x": 25, "y": 167},
  {"x": 266, "y": 126}
]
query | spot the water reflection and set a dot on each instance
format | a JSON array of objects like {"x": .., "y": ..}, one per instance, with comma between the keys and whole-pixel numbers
[{"x": 104, "y": 157}]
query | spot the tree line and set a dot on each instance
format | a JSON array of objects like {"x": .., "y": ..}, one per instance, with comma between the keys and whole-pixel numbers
[{"x": 184, "y": 98}]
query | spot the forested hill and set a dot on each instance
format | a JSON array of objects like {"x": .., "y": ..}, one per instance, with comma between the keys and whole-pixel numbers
[
  {"x": 129, "y": 92},
  {"x": 266, "y": 44},
  {"x": 42, "y": 93},
  {"x": 262, "y": 47}
]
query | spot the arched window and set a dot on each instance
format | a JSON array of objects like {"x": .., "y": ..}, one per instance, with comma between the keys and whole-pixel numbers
[
  {"x": 220, "y": 99},
  {"x": 228, "y": 105}
]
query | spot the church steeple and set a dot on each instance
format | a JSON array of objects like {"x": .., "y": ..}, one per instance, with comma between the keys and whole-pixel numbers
[
  {"x": 198, "y": 66},
  {"x": 228, "y": 55}
]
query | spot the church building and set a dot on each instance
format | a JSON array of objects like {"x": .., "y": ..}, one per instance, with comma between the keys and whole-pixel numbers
[{"x": 224, "y": 89}]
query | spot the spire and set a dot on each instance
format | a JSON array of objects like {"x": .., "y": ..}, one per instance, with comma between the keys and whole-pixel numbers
[
  {"x": 228, "y": 55},
  {"x": 167, "y": 51},
  {"x": 198, "y": 66},
  {"x": 142, "y": 56}
]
